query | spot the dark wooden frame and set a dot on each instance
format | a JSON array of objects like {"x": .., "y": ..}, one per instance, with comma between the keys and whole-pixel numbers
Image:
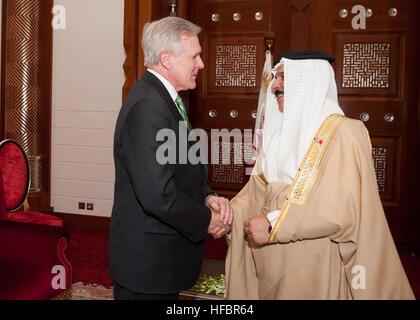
[
  {"x": 131, "y": 39},
  {"x": 136, "y": 14},
  {"x": 415, "y": 87}
]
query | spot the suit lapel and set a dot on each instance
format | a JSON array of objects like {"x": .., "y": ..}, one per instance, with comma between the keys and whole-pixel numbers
[{"x": 155, "y": 82}]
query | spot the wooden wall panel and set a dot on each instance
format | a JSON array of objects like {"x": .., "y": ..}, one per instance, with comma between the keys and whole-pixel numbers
[
  {"x": 234, "y": 68},
  {"x": 370, "y": 64},
  {"x": 131, "y": 44},
  {"x": 301, "y": 16},
  {"x": 373, "y": 84},
  {"x": 387, "y": 48},
  {"x": 235, "y": 37}
]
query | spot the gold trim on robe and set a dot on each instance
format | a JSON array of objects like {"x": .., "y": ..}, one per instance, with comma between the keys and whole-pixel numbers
[{"x": 308, "y": 170}]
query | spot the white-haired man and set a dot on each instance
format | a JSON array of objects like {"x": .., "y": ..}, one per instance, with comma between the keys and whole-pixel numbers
[
  {"x": 310, "y": 223},
  {"x": 161, "y": 212}
]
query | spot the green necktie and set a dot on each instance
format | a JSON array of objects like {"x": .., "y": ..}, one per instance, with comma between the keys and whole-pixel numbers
[{"x": 183, "y": 112}]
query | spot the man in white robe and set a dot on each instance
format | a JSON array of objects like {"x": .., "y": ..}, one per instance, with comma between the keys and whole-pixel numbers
[{"x": 310, "y": 223}]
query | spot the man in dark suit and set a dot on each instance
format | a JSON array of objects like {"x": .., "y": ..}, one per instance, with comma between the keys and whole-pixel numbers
[{"x": 162, "y": 209}]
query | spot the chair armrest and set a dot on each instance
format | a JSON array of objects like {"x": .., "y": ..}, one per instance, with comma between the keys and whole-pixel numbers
[
  {"x": 33, "y": 239},
  {"x": 31, "y": 253}
]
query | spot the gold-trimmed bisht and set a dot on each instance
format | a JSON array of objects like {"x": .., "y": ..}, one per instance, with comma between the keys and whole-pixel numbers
[{"x": 308, "y": 170}]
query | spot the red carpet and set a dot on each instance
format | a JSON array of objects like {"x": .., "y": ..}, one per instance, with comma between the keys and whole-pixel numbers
[
  {"x": 411, "y": 266},
  {"x": 215, "y": 249},
  {"x": 88, "y": 254}
]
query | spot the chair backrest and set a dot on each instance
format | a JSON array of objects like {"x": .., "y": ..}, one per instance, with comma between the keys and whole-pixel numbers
[{"x": 14, "y": 166}]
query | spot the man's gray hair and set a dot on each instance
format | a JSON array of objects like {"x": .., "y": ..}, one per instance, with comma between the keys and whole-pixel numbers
[{"x": 165, "y": 34}]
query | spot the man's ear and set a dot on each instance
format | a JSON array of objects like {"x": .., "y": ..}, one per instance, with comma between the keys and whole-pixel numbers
[{"x": 165, "y": 59}]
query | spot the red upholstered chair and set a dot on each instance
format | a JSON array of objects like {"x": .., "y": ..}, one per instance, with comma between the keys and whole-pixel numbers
[
  {"x": 14, "y": 166},
  {"x": 33, "y": 265}
]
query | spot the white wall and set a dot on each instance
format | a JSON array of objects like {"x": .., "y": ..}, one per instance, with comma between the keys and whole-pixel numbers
[{"x": 87, "y": 81}]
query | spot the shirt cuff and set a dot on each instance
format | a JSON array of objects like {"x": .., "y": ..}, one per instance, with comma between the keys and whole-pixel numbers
[
  {"x": 273, "y": 216},
  {"x": 212, "y": 194}
]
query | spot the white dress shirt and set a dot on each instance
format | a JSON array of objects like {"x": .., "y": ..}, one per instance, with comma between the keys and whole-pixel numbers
[{"x": 166, "y": 83}]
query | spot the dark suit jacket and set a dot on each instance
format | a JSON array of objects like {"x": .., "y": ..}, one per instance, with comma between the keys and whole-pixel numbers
[{"x": 159, "y": 220}]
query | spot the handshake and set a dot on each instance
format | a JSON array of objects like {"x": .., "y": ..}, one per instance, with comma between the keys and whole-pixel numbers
[{"x": 221, "y": 216}]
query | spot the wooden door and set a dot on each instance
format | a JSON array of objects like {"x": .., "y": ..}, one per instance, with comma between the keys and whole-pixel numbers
[
  {"x": 375, "y": 72},
  {"x": 372, "y": 71},
  {"x": 375, "y": 84},
  {"x": 235, "y": 36}
]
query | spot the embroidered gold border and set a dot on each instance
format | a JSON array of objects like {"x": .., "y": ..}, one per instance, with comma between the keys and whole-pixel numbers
[{"x": 308, "y": 171}]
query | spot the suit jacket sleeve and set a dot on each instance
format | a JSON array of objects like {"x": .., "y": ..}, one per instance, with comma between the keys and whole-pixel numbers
[
  {"x": 207, "y": 191},
  {"x": 154, "y": 183}
]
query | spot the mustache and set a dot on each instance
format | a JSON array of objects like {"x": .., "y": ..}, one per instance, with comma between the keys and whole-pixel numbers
[{"x": 278, "y": 92}]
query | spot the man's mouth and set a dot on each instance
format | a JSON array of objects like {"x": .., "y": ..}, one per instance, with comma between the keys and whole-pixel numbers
[{"x": 278, "y": 93}]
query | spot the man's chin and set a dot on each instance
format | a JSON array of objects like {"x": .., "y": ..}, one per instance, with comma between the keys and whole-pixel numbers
[
  {"x": 193, "y": 86},
  {"x": 281, "y": 106}
]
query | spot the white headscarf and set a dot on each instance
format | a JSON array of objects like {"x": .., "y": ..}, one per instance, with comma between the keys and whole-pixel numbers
[{"x": 310, "y": 96}]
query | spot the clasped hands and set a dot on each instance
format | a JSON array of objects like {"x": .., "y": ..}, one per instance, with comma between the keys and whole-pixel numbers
[{"x": 221, "y": 216}]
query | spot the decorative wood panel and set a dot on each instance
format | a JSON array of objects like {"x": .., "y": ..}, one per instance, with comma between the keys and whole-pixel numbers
[
  {"x": 232, "y": 64},
  {"x": 228, "y": 160},
  {"x": 227, "y": 173},
  {"x": 236, "y": 66},
  {"x": 380, "y": 155},
  {"x": 366, "y": 65},
  {"x": 384, "y": 159}
]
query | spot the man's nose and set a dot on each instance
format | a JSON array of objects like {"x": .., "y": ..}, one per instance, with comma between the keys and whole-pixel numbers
[
  {"x": 200, "y": 63},
  {"x": 277, "y": 84}
]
